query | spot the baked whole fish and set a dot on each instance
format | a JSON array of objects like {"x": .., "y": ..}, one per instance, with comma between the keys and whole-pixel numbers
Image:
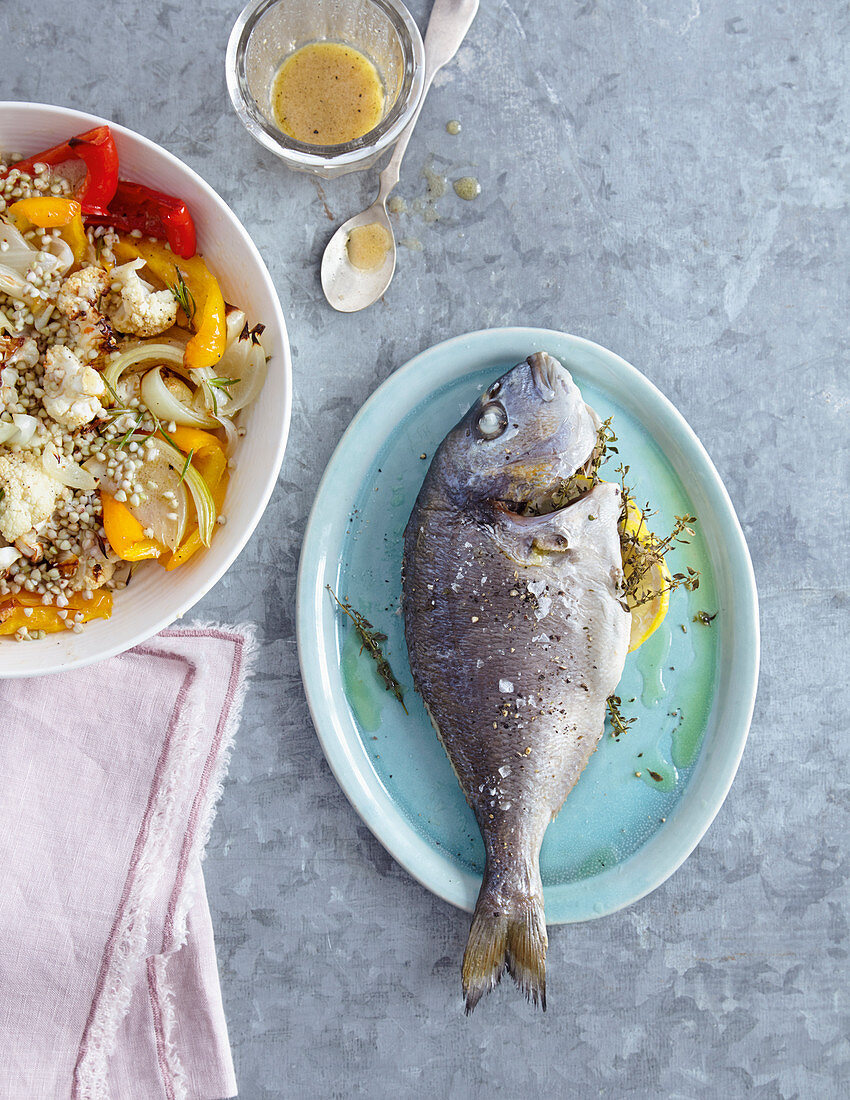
[{"x": 517, "y": 635}]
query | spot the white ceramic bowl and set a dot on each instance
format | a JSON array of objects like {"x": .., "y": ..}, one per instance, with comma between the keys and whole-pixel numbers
[{"x": 156, "y": 598}]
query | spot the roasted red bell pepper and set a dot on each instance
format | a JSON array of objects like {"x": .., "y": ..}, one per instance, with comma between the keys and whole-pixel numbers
[
  {"x": 96, "y": 149},
  {"x": 153, "y": 213}
]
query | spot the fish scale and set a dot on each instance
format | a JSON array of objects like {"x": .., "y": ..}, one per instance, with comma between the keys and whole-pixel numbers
[{"x": 517, "y": 636}]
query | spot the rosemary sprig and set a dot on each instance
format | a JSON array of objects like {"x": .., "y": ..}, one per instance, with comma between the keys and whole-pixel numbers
[
  {"x": 370, "y": 641},
  {"x": 214, "y": 384},
  {"x": 186, "y": 465},
  {"x": 125, "y": 439},
  {"x": 116, "y": 411},
  {"x": 183, "y": 296},
  {"x": 110, "y": 387},
  {"x": 163, "y": 432}
]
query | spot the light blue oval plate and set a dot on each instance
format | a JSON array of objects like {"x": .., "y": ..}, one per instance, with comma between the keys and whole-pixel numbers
[{"x": 691, "y": 687}]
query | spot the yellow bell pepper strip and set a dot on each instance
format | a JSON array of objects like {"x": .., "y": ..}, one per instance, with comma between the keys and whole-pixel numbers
[
  {"x": 124, "y": 533},
  {"x": 46, "y": 617},
  {"x": 101, "y": 598},
  {"x": 211, "y": 463},
  {"x": 47, "y": 211},
  {"x": 193, "y": 439},
  {"x": 205, "y": 300},
  {"x": 54, "y": 212}
]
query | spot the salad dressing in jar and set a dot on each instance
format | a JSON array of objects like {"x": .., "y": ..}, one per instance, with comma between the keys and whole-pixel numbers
[
  {"x": 326, "y": 86},
  {"x": 327, "y": 93}
]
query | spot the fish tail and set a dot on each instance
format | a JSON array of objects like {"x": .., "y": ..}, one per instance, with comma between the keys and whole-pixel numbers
[{"x": 507, "y": 933}]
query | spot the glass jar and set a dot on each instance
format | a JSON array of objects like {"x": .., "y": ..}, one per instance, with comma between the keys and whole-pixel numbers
[{"x": 268, "y": 31}]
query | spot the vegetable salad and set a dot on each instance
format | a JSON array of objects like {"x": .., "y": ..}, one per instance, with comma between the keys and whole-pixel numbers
[{"x": 122, "y": 373}]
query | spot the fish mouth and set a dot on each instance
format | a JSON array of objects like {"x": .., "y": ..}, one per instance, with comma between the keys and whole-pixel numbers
[
  {"x": 556, "y": 495},
  {"x": 547, "y": 374}
]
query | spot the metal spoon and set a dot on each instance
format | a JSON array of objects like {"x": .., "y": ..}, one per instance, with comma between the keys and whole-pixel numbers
[{"x": 349, "y": 288}]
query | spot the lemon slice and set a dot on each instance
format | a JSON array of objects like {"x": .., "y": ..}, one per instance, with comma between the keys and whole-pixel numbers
[{"x": 647, "y": 615}]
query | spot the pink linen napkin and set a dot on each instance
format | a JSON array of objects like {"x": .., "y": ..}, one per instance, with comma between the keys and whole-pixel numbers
[{"x": 109, "y": 777}]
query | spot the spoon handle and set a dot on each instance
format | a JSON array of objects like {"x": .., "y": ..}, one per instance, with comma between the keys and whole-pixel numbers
[{"x": 447, "y": 27}]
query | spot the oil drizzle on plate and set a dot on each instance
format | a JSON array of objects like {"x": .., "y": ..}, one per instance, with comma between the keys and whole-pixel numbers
[
  {"x": 602, "y": 860},
  {"x": 652, "y": 660},
  {"x": 362, "y": 687},
  {"x": 687, "y": 738},
  {"x": 655, "y": 769}
]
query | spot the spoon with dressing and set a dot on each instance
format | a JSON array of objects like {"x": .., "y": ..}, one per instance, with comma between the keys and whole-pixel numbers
[{"x": 367, "y": 240}]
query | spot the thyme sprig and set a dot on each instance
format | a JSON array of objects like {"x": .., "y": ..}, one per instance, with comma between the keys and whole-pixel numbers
[
  {"x": 644, "y": 552},
  {"x": 183, "y": 295},
  {"x": 619, "y": 724},
  {"x": 583, "y": 480},
  {"x": 605, "y": 440},
  {"x": 371, "y": 641}
]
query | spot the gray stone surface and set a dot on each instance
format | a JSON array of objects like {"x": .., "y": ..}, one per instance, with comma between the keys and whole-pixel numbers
[{"x": 669, "y": 178}]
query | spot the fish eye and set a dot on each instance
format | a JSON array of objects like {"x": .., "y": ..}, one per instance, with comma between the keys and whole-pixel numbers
[{"x": 492, "y": 421}]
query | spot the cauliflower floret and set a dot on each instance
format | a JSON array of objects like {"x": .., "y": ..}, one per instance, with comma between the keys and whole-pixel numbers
[
  {"x": 8, "y": 556},
  {"x": 29, "y": 494},
  {"x": 141, "y": 309},
  {"x": 18, "y": 351},
  {"x": 8, "y": 388},
  {"x": 77, "y": 300},
  {"x": 94, "y": 569},
  {"x": 81, "y": 291},
  {"x": 26, "y": 355},
  {"x": 71, "y": 388}
]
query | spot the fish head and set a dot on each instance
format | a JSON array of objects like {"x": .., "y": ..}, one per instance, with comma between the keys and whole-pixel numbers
[{"x": 529, "y": 431}]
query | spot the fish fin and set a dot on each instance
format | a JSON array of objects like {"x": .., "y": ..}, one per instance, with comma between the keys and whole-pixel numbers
[
  {"x": 484, "y": 960},
  {"x": 527, "y": 943},
  {"x": 512, "y": 939}
]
